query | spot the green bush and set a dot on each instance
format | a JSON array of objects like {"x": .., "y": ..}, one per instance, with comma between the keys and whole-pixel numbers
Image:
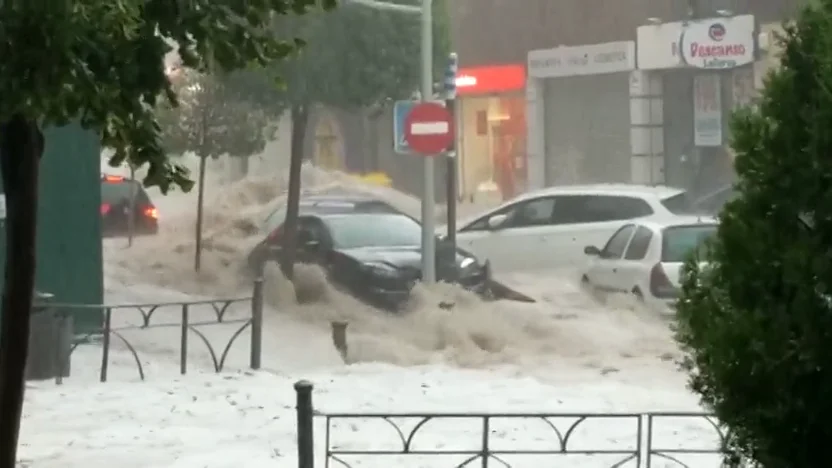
[{"x": 755, "y": 323}]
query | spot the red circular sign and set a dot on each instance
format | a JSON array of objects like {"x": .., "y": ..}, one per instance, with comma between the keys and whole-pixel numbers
[{"x": 429, "y": 128}]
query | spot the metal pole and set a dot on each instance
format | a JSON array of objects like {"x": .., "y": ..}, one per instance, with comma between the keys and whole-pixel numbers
[
  {"x": 451, "y": 154},
  {"x": 428, "y": 199},
  {"x": 428, "y": 202},
  {"x": 131, "y": 219}
]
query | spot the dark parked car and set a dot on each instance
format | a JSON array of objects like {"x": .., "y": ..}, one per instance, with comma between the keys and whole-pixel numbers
[
  {"x": 377, "y": 256},
  {"x": 116, "y": 212},
  {"x": 332, "y": 203}
]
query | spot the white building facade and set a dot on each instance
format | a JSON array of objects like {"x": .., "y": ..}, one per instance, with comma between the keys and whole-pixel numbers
[
  {"x": 690, "y": 75},
  {"x": 578, "y": 113}
]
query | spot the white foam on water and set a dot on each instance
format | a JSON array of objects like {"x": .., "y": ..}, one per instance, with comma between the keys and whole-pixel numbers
[{"x": 565, "y": 323}]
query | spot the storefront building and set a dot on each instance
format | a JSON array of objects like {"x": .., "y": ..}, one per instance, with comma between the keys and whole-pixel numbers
[
  {"x": 691, "y": 74},
  {"x": 492, "y": 131},
  {"x": 578, "y": 103}
]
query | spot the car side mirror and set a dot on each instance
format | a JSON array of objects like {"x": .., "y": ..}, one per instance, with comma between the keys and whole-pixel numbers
[
  {"x": 592, "y": 251},
  {"x": 497, "y": 221}
]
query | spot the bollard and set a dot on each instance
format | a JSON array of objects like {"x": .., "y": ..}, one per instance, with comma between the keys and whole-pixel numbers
[
  {"x": 339, "y": 337},
  {"x": 306, "y": 436},
  {"x": 257, "y": 323}
]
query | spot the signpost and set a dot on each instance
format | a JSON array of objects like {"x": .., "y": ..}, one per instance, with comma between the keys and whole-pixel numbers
[
  {"x": 400, "y": 111},
  {"x": 429, "y": 129},
  {"x": 451, "y": 73}
]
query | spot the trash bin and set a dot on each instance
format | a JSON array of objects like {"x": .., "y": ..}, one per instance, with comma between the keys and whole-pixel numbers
[{"x": 50, "y": 340}]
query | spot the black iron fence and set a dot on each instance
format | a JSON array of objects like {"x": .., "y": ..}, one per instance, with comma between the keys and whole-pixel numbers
[
  {"x": 613, "y": 440},
  {"x": 181, "y": 315}
]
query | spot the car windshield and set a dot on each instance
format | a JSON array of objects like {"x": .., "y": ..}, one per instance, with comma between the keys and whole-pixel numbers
[
  {"x": 679, "y": 241},
  {"x": 373, "y": 230},
  {"x": 678, "y": 204}
]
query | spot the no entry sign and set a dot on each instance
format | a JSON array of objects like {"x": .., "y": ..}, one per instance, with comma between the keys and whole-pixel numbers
[{"x": 429, "y": 128}]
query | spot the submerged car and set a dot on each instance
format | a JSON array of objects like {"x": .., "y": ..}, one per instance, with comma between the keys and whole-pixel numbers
[
  {"x": 126, "y": 206},
  {"x": 645, "y": 258},
  {"x": 330, "y": 203},
  {"x": 377, "y": 257}
]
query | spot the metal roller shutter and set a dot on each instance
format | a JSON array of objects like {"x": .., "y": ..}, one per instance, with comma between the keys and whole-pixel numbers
[{"x": 587, "y": 128}]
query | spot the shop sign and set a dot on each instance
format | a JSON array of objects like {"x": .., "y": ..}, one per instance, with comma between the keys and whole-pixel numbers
[
  {"x": 718, "y": 44},
  {"x": 593, "y": 59},
  {"x": 713, "y": 43},
  {"x": 490, "y": 79}
]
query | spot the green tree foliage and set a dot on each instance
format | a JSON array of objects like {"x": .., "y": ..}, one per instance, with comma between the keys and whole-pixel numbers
[
  {"x": 100, "y": 63},
  {"x": 756, "y": 322},
  {"x": 220, "y": 114},
  {"x": 357, "y": 56}
]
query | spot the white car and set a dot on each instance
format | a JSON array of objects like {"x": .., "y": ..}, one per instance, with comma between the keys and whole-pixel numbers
[
  {"x": 548, "y": 229},
  {"x": 644, "y": 258}
]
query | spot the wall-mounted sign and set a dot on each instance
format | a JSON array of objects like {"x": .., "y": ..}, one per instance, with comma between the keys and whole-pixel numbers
[
  {"x": 713, "y": 43},
  {"x": 593, "y": 59},
  {"x": 721, "y": 43},
  {"x": 707, "y": 110},
  {"x": 490, "y": 79}
]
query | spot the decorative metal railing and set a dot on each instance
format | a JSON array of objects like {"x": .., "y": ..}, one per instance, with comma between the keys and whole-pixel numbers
[
  {"x": 611, "y": 440},
  {"x": 183, "y": 315}
]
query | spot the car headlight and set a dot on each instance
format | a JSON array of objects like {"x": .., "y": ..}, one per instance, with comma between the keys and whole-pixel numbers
[{"x": 381, "y": 269}]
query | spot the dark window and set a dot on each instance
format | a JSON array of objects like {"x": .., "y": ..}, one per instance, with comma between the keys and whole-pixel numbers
[
  {"x": 533, "y": 212},
  {"x": 537, "y": 212},
  {"x": 570, "y": 210},
  {"x": 602, "y": 208},
  {"x": 639, "y": 245},
  {"x": 617, "y": 243},
  {"x": 679, "y": 241},
  {"x": 373, "y": 230}
]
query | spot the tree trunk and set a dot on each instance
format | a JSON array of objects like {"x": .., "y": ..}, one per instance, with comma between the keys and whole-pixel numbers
[
  {"x": 200, "y": 201},
  {"x": 21, "y": 146},
  {"x": 300, "y": 119}
]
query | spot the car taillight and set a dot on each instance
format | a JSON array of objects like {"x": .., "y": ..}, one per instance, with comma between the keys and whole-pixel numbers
[
  {"x": 660, "y": 285},
  {"x": 151, "y": 212},
  {"x": 105, "y": 208}
]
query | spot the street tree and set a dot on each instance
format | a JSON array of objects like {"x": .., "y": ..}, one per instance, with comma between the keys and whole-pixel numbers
[
  {"x": 100, "y": 64},
  {"x": 354, "y": 58},
  {"x": 218, "y": 114},
  {"x": 755, "y": 321}
]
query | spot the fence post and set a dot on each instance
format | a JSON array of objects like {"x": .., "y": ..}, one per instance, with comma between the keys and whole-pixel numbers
[
  {"x": 257, "y": 323},
  {"x": 183, "y": 340},
  {"x": 306, "y": 437}
]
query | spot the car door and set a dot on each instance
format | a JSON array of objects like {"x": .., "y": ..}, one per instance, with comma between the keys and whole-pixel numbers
[
  {"x": 593, "y": 219},
  {"x": 603, "y": 269},
  {"x": 633, "y": 270},
  {"x": 516, "y": 244}
]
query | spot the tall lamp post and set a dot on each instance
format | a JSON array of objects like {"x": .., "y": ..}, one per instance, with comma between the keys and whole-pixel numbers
[{"x": 428, "y": 199}]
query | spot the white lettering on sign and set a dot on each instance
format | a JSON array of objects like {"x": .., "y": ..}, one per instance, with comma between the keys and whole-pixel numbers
[
  {"x": 429, "y": 128},
  {"x": 594, "y": 59}
]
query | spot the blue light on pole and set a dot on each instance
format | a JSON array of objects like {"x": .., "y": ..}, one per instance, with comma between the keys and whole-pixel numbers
[{"x": 450, "y": 76}]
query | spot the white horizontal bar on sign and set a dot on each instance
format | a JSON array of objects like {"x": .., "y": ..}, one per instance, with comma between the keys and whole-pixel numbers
[{"x": 429, "y": 128}]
